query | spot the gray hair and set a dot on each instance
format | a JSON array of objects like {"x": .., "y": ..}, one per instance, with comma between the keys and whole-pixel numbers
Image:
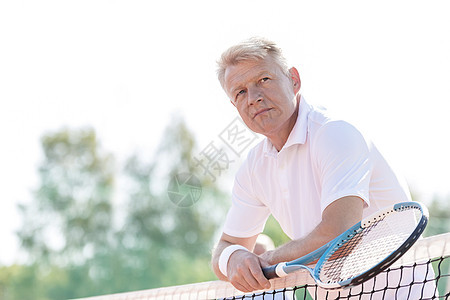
[{"x": 252, "y": 49}]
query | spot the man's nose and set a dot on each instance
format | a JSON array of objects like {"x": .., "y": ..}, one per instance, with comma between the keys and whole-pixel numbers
[{"x": 254, "y": 95}]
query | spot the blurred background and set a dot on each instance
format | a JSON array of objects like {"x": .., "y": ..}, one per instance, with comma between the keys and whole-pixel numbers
[{"x": 103, "y": 103}]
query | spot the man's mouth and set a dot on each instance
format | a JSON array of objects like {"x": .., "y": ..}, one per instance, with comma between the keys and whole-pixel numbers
[{"x": 261, "y": 111}]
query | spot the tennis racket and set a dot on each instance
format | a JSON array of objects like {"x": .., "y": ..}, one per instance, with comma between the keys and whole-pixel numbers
[{"x": 364, "y": 250}]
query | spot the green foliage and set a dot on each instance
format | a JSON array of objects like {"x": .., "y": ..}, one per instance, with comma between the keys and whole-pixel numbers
[
  {"x": 80, "y": 243},
  {"x": 17, "y": 282},
  {"x": 72, "y": 211},
  {"x": 160, "y": 239},
  {"x": 274, "y": 231},
  {"x": 439, "y": 222}
]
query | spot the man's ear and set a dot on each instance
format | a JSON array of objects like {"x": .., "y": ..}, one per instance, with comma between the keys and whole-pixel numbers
[{"x": 295, "y": 78}]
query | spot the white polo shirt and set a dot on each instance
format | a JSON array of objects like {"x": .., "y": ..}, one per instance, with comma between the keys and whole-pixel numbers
[{"x": 323, "y": 160}]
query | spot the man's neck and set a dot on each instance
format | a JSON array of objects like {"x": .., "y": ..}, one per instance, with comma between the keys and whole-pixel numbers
[{"x": 279, "y": 138}]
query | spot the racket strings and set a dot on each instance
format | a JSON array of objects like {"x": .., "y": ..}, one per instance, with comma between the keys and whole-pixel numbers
[{"x": 368, "y": 246}]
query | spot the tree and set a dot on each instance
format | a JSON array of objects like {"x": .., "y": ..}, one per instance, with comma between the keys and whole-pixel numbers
[
  {"x": 72, "y": 215},
  {"x": 80, "y": 243},
  {"x": 70, "y": 220},
  {"x": 169, "y": 244}
]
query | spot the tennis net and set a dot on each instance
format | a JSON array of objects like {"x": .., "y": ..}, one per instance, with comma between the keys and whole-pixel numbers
[{"x": 430, "y": 256}]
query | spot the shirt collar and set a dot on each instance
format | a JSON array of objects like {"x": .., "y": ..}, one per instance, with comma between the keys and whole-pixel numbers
[{"x": 299, "y": 131}]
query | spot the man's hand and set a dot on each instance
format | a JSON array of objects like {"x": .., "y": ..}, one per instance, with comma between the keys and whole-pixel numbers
[{"x": 245, "y": 271}]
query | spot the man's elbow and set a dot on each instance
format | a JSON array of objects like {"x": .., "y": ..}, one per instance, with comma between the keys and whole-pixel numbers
[{"x": 341, "y": 215}]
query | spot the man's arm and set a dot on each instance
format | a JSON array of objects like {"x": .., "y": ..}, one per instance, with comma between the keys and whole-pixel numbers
[
  {"x": 336, "y": 218},
  {"x": 244, "y": 268}
]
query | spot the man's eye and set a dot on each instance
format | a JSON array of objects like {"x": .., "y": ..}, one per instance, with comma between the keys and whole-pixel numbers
[
  {"x": 240, "y": 93},
  {"x": 265, "y": 79}
]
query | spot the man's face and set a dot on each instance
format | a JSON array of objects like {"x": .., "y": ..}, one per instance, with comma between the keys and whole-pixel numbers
[{"x": 263, "y": 95}]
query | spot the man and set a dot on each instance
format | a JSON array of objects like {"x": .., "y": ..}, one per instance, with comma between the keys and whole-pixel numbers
[{"x": 317, "y": 176}]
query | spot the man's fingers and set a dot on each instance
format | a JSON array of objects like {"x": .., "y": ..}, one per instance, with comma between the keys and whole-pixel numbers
[
  {"x": 257, "y": 273},
  {"x": 254, "y": 275},
  {"x": 239, "y": 286},
  {"x": 250, "y": 284},
  {"x": 245, "y": 272},
  {"x": 244, "y": 278},
  {"x": 256, "y": 279}
]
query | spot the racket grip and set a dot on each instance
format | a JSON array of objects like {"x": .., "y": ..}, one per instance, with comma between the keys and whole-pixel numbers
[{"x": 270, "y": 272}]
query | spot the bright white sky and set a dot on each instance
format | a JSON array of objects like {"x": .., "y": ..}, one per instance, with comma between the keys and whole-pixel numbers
[{"x": 125, "y": 67}]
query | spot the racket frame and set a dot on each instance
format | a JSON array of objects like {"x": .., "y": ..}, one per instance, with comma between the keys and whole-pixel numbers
[{"x": 323, "y": 253}]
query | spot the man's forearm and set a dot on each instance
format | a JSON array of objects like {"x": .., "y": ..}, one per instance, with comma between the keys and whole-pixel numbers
[
  {"x": 298, "y": 248},
  {"x": 336, "y": 218}
]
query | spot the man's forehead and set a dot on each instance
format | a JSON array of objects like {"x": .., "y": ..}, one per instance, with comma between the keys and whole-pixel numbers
[{"x": 245, "y": 70}]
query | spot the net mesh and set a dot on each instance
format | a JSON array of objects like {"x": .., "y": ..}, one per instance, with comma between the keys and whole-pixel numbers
[{"x": 422, "y": 273}]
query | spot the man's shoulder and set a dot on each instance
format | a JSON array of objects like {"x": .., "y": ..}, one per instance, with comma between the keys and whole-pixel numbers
[
  {"x": 318, "y": 116},
  {"x": 322, "y": 121}
]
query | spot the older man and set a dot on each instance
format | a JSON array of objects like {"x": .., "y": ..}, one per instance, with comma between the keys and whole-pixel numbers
[{"x": 316, "y": 175}]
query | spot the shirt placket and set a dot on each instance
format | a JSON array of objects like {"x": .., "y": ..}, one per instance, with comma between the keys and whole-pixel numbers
[{"x": 284, "y": 182}]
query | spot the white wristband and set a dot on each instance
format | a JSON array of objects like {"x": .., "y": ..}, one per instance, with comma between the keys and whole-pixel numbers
[{"x": 225, "y": 256}]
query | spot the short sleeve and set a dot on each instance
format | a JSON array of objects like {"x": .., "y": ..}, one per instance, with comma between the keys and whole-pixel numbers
[
  {"x": 342, "y": 158},
  {"x": 247, "y": 215}
]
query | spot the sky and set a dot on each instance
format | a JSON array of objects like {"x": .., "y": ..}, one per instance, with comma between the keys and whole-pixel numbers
[{"x": 128, "y": 68}]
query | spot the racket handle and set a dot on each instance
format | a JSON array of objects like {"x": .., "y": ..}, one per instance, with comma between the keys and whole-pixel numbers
[{"x": 270, "y": 272}]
